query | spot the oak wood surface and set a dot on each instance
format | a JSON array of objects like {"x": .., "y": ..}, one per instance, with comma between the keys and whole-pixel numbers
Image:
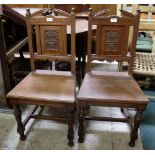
[
  {"x": 47, "y": 87},
  {"x": 111, "y": 89}
]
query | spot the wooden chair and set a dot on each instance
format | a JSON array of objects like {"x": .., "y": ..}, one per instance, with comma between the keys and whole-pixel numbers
[
  {"x": 111, "y": 89},
  {"x": 45, "y": 87}
]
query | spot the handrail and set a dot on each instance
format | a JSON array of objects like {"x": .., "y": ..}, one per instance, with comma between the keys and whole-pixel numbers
[{"x": 16, "y": 48}]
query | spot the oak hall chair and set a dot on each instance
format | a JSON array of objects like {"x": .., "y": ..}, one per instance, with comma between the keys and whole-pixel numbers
[
  {"x": 46, "y": 87},
  {"x": 111, "y": 89}
]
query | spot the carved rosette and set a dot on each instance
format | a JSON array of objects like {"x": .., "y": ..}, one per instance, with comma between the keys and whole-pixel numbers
[
  {"x": 51, "y": 40},
  {"x": 111, "y": 41}
]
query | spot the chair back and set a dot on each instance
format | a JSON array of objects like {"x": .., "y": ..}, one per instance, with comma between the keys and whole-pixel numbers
[
  {"x": 112, "y": 37},
  {"x": 50, "y": 30}
]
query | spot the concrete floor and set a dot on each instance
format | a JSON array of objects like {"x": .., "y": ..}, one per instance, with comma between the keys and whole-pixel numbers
[{"x": 47, "y": 135}]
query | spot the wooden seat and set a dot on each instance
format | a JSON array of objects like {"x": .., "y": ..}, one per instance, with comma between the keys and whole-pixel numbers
[
  {"x": 46, "y": 87},
  {"x": 111, "y": 89}
]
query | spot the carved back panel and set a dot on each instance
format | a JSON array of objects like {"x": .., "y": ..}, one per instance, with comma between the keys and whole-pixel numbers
[
  {"x": 50, "y": 30},
  {"x": 112, "y": 37},
  {"x": 53, "y": 40},
  {"x": 112, "y": 40}
]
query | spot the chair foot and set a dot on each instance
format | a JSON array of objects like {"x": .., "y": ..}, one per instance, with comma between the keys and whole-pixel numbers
[
  {"x": 81, "y": 140},
  {"x": 81, "y": 125},
  {"x": 71, "y": 144},
  {"x": 18, "y": 117},
  {"x": 22, "y": 138},
  {"x": 134, "y": 133},
  {"x": 132, "y": 143},
  {"x": 134, "y": 137},
  {"x": 20, "y": 130},
  {"x": 70, "y": 135}
]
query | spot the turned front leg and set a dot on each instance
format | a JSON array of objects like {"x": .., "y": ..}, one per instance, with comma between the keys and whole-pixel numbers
[
  {"x": 20, "y": 127},
  {"x": 134, "y": 134},
  {"x": 70, "y": 134},
  {"x": 81, "y": 125}
]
